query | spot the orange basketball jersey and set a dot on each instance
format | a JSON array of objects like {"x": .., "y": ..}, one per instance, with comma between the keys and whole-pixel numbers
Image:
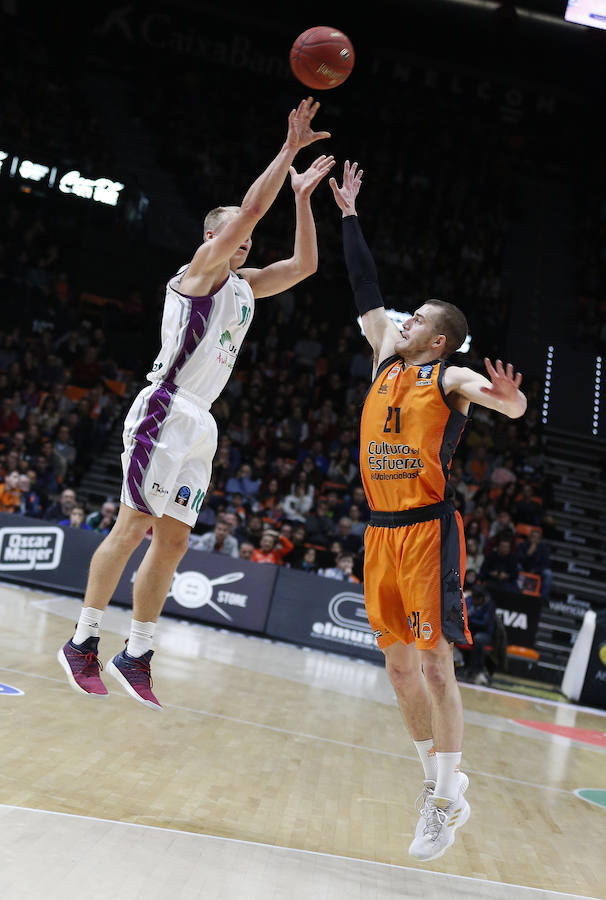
[{"x": 408, "y": 436}]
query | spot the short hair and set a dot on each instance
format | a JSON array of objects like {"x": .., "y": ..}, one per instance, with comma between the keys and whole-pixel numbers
[
  {"x": 452, "y": 324},
  {"x": 217, "y": 215}
]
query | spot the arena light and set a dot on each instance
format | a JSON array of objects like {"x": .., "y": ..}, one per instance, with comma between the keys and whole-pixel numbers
[
  {"x": 32, "y": 171},
  {"x": 547, "y": 388},
  {"x": 596, "y": 396},
  {"x": 102, "y": 190},
  {"x": 97, "y": 190},
  {"x": 586, "y": 12}
]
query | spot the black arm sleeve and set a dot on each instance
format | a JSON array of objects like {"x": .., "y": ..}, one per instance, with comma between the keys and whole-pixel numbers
[{"x": 361, "y": 267}]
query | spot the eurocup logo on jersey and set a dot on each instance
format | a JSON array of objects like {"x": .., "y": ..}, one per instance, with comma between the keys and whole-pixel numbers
[
  {"x": 24, "y": 549},
  {"x": 348, "y": 621}
]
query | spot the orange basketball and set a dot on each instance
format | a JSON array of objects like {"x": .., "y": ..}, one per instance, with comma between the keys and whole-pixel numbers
[{"x": 322, "y": 57}]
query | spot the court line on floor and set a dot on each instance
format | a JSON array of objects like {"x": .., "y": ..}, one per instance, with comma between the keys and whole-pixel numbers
[
  {"x": 297, "y": 850},
  {"x": 301, "y": 734}
]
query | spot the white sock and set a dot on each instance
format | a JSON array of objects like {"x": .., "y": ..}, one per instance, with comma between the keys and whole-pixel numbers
[
  {"x": 427, "y": 755},
  {"x": 140, "y": 638},
  {"x": 448, "y": 782},
  {"x": 88, "y": 625}
]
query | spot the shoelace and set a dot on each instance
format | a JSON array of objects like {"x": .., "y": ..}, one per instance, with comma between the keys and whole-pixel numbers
[
  {"x": 435, "y": 818},
  {"x": 142, "y": 671},
  {"x": 422, "y": 800},
  {"x": 92, "y": 661}
]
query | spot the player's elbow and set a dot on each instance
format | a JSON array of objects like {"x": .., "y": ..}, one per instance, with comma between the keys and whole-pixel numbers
[
  {"x": 251, "y": 213},
  {"x": 304, "y": 267}
]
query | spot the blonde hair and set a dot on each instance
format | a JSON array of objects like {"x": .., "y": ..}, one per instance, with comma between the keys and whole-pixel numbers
[
  {"x": 451, "y": 322},
  {"x": 216, "y": 216}
]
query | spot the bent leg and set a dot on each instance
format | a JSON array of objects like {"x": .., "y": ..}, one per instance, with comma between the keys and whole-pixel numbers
[
  {"x": 154, "y": 577},
  {"x": 112, "y": 554}
]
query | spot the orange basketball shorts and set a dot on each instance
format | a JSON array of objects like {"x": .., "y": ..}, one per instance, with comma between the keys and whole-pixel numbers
[{"x": 413, "y": 576}]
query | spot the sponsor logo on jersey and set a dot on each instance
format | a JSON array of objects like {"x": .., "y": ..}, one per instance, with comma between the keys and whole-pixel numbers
[
  {"x": 395, "y": 370},
  {"x": 422, "y": 383},
  {"x": 183, "y": 495},
  {"x": 224, "y": 360},
  {"x": 23, "y": 549},
  {"x": 425, "y": 372},
  {"x": 382, "y": 389},
  {"x": 399, "y": 458},
  {"x": 226, "y": 344},
  {"x": 158, "y": 490}
]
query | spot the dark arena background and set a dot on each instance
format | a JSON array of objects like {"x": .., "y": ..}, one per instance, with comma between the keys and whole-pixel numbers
[{"x": 279, "y": 765}]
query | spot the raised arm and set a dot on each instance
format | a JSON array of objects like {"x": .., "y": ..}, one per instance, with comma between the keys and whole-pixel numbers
[
  {"x": 501, "y": 393},
  {"x": 213, "y": 254},
  {"x": 285, "y": 273},
  {"x": 381, "y": 332}
]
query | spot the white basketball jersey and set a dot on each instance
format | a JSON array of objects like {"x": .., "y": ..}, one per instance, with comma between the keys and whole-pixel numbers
[{"x": 201, "y": 336}]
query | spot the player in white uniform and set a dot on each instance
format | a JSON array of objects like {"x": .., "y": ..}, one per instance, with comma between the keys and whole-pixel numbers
[{"x": 170, "y": 437}]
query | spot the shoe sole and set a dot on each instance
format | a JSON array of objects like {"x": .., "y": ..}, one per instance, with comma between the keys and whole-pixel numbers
[
  {"x": 62, "y": 658},
  {"x": 463, "y": 818},
  {"x": 113, "y": 670}
]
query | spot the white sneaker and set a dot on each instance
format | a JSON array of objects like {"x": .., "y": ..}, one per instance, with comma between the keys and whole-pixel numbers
[{"x": 436, "y": 832}]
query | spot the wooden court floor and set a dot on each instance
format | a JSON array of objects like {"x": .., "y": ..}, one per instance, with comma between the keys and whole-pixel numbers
[{"x": 272, "y": 772}]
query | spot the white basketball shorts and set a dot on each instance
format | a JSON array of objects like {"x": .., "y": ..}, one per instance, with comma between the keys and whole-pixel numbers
[{"x": 170, "y": 440}]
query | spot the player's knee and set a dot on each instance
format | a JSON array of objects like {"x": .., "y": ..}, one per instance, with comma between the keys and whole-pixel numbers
[
  {"x": 127, "y": 536},
  {"x": 438, "y": 672},
  {"x": 402, "y": 670},
  {"x": 173, "y": 544}
]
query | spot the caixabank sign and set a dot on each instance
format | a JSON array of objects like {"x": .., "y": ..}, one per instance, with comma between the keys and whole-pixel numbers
[{"x": 323, "y": 613}]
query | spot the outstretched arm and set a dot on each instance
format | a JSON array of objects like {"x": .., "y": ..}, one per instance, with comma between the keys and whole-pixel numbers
[
  {"x": 502, "y": 393},
  {"x": 381, "y": 332},
  {"x": 285, "y": 273},
  {"x": 213, "y": 254}
]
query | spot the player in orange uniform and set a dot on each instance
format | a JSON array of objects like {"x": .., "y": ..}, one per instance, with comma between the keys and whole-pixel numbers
[{"x": 413, "y": 417}]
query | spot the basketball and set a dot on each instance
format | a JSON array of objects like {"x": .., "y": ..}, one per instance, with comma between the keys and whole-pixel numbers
[{"x": 322, "y": 58}]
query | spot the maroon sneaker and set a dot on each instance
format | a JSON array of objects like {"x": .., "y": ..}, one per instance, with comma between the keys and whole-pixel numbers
[
  {"x": 82, "y": 666},
  {"x": 134, "y": 674}
]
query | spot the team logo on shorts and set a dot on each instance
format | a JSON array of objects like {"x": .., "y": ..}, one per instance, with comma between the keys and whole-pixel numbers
[
  {"x": 425, "y": 372},
  {"x": 426, "y": 630},
  {"x": 183, "y": 495}
]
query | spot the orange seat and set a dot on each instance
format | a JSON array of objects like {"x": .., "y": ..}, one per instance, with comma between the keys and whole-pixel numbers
[
  {"x": 530, "y": 583},
  {"x": 522, "y": 652},
  {"x": 524, "y": 530},
  {"x": 116, "y": 387},
  {"x": 75, "y": 393}
]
